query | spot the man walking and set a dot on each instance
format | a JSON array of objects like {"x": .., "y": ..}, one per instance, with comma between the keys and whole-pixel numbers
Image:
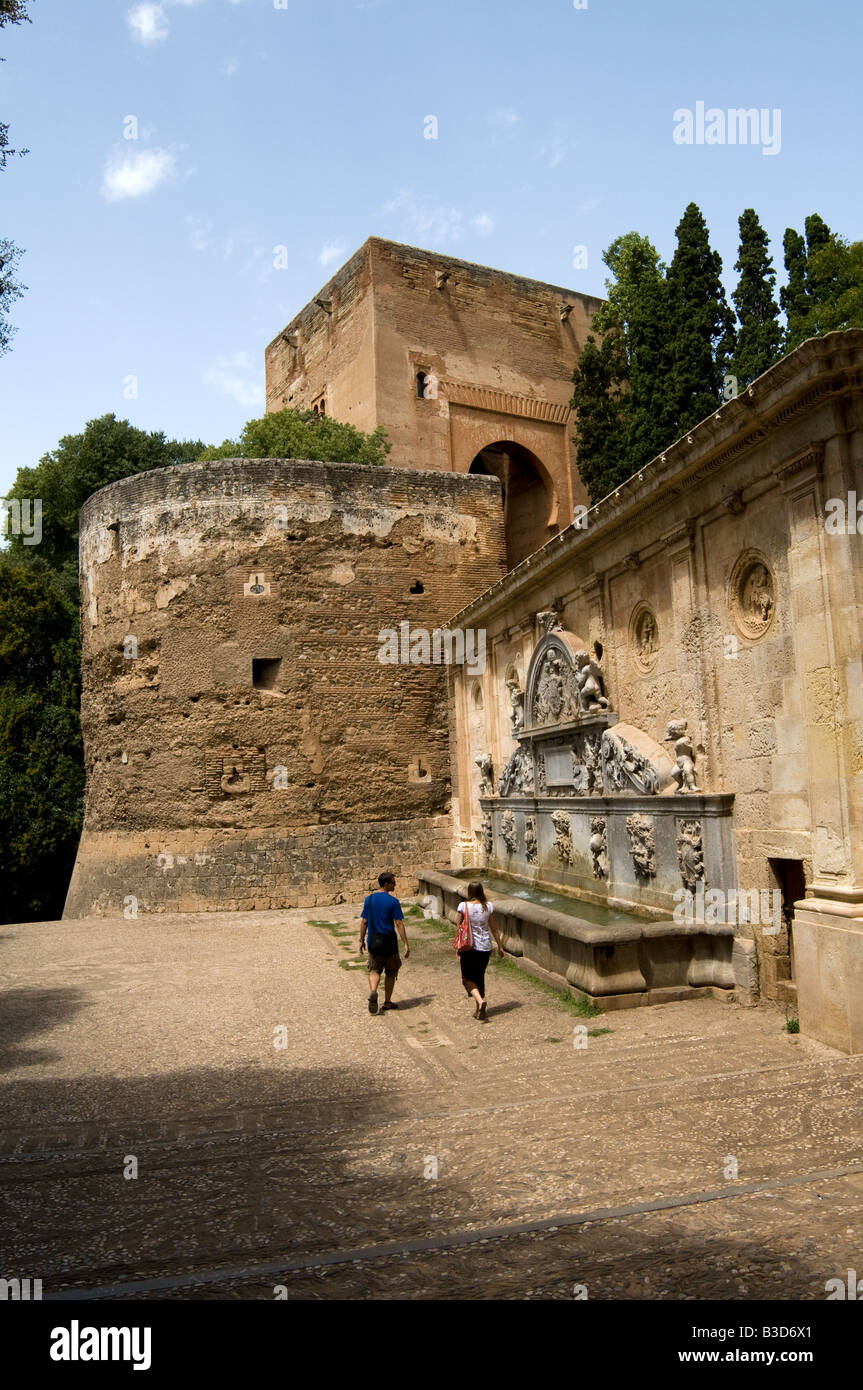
[{"x": 382, "y": 918}]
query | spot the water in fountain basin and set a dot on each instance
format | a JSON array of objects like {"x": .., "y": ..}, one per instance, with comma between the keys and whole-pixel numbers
[{"x": 596, "y": 913}]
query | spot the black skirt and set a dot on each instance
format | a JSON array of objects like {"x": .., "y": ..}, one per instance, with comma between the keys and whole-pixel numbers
[{"x": 473, "y": 964}]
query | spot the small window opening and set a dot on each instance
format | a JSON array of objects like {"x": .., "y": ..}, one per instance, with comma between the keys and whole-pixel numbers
[
  {"x": 417, "y": 587},
  {"x": 265, "y": 673},
  {"x": 422, "y": 383}
]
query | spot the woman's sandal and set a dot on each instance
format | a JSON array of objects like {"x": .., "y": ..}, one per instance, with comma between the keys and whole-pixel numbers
[{"x": 483, "y": 1012}]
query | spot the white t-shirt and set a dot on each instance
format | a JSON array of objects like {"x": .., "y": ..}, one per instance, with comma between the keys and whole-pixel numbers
[{"x": 478, "y": 916}]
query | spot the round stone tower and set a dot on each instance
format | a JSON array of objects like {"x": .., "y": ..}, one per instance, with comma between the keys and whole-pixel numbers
[{"x": 246, "y": 747}]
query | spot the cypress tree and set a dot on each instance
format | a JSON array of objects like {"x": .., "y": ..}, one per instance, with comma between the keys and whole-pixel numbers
[
  {"x": 759, "y": 334},
  {"x": 600, "y": 399},
  {"x": 702, "y": 325},
  {"x": 793, "y": 297}
]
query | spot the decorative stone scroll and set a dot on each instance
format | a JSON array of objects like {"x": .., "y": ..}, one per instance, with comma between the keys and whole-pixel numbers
[
  {"x": 563, "y": 836},
  {"x": 507, "y": 830},
  {"x": 633, "y": 761},
  {"x": 642, "y": 845},
  {"x": 530, "y": 845},
  {"x": 690, "y": 853},
  {"x": 598, "y": 845}
]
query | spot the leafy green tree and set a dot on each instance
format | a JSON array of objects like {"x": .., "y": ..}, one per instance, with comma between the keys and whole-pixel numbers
[
  {"x": 759, "y": 335},
  {"x": 836, "y": 268},
  {"x": 107, "y": 449},
  {"x": 702, "y": 325},
  {"x": 41, "y": 755},
  {"x": 301, "y": 434}
]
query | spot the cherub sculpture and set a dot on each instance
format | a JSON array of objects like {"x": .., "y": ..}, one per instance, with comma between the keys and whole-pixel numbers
[
  {"x": 684, "y": 753},
  {"x": 589, "y": 682}
]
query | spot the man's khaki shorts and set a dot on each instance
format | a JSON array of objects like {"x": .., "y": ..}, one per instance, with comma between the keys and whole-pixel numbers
[{"x": 389, "y": 965}]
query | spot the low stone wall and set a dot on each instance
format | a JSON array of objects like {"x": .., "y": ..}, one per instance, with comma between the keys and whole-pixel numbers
[
  {"x": 218, "y": 871},
  {"x": 618, "y": 966}
]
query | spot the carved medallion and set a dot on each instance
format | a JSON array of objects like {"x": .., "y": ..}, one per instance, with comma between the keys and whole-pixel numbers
[
  {"x": 752, "y": 594},
  {"x": 644, "y": 637}
]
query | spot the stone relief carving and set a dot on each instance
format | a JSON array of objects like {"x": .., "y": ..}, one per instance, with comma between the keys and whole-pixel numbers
[
  {"x": 587, "y": 765},
  {"x": 516, "y": 697},
  {"x": 517, "y": 776},
  {"x": 644, "y": 637},
  {"x": 690, "y": 853},
  {"x": 564, "y": 691},
  {"x": 486, "y": 774},
  {"x": 752, "y": 594},
  {"x": 562, "y": 835},
  {"x": 530, "y": 845},
  {"x": 487, "y": 834},
  {"x": 548, "y": 621},
  {"x": 642, "y": 845},
  {"x": 590, "y": 684},
  {"x": 541, "y": 776},
  {"x": 627, "y": 768},
  {"x": 684, "y": 753},
  {"x": 598, "y": 845},
  {"x": 549, "y": 699},
  {"x": 507, "y": 830}
]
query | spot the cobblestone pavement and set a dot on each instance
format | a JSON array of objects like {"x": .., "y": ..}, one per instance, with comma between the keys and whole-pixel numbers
[{"x": 285, "y": 1139}]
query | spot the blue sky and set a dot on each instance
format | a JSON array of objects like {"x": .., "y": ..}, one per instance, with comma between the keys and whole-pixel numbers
[{"x": 303, "y": 127}]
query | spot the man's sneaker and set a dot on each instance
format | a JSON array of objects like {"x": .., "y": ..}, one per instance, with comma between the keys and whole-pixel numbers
[{"x": 373, "y": 1002}]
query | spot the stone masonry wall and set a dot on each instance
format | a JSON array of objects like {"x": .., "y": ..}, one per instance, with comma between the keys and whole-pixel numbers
[{"x": 244, "y": 744}]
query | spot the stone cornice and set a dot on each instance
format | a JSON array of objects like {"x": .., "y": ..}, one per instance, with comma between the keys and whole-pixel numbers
[{"x": 504, "y": 402}]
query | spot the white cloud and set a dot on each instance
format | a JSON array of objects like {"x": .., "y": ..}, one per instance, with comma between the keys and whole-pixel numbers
[
  {"x": 332, "y": 251},
  {"x": 505, "y": 117},
  {"x": 483, "y": 223},
  {"x": 148, "y": 22},
  {"x": 229, "y": 67},
  {"x": 135, "y": 173},
  {"x": 231, "y": 376},
  {"x": 437, "y": 222}
]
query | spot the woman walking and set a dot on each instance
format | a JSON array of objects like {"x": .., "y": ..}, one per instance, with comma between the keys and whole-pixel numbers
[{"x": 479, "y": 915}]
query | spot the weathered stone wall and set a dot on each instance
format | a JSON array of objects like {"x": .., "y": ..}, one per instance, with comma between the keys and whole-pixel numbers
[
  {"x": 718, "y": 594},
  {"x": 251, "y": 748}
]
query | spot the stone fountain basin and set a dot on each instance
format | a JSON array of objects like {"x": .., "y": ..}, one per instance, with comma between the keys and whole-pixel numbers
[{"x": 618, "y": 965}]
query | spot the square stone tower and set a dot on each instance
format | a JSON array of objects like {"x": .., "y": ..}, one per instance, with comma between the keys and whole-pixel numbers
[{"x": 468, "y": 369}]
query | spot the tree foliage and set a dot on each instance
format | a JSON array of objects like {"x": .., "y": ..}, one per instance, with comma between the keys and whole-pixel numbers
[
  {"x": 11, "y": 12},
  {"x": 759, "y": 335},
  {"x": 301, "y": 434},
  {"x": 41, "y": 754},
  {"x": 107, "y": 449},
  {"x": 702, "y": 339}
]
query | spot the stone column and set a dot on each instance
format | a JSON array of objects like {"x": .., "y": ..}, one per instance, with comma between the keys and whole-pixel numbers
[{"x": 828, "y": 923}]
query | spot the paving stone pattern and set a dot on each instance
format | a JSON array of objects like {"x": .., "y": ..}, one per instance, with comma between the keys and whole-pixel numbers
[{"x": 305, "y": 1166}]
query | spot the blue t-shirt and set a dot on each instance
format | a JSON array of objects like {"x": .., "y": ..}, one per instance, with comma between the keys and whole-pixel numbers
[{"x": 381, "y": 910}]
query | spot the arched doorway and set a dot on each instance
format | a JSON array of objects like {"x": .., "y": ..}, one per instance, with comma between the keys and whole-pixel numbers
[{"x": 527, "y": 496}]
